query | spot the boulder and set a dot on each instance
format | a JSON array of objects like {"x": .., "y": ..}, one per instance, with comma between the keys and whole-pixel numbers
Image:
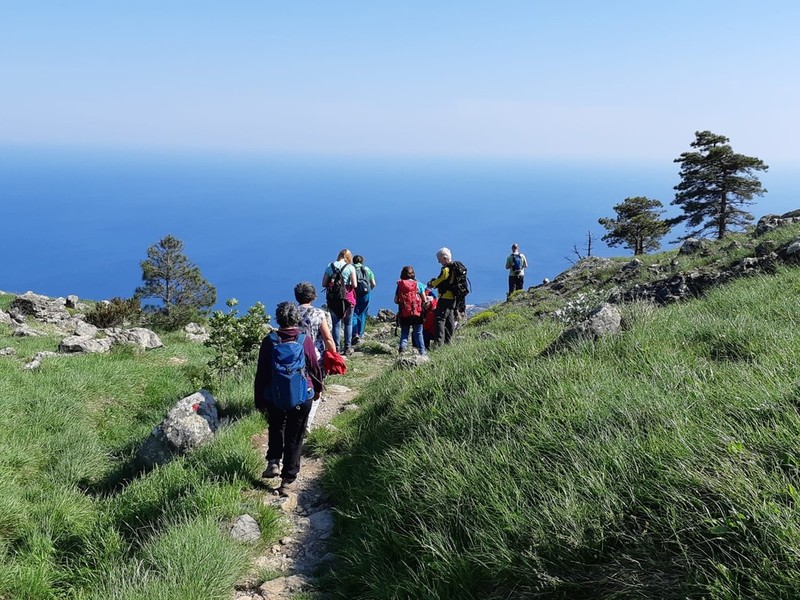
[
  {"x": 385, "y": 316},
  {"x": 37, "y": 360},
  {"x": 8, "y": 351},
  {"x": 25, "y": 331},
  {"x": 411, "y": 361},
  {"x": 5, "y": 318},
  {"x": 190, "y": 423},
  {"x": 40, "y": 307},
  {"x": 692, "y": 246},
  {"x": 770, "y": 222},
  {"x": 245, "y": 529},
  {"x": 137, "y": 336},
  {"x": 84, "y": 344},
  {"x": 196, "y": 333},
  {"x": 603, "y": 321},
  {"x": 71, "y": 301}
]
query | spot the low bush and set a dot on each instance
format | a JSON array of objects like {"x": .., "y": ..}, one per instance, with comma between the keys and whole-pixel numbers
[{"x": 114, "y": 313}]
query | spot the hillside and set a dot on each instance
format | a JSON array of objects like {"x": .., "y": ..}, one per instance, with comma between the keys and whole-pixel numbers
[{"x": 660, "y": 461}]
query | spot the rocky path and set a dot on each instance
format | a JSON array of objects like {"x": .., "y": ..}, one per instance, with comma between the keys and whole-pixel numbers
[{"x": 308, "y": 519}]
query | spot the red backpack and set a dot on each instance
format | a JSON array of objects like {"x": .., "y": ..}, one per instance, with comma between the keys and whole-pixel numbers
[{"x": 408, "y": 299}]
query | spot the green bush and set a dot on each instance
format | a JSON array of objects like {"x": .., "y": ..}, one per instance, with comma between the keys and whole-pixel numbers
[
  {"x": 482, "y": 317},
  {"x": 114, "y": 313}
]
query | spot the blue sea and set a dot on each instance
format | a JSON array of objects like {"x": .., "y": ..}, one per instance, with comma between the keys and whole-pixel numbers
[{"x": 80, "y": 222}]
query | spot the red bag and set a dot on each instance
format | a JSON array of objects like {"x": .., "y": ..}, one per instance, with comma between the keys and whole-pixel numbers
[
  {"x": 333, "y": 363},
  {"x": 408, "y": 298}
]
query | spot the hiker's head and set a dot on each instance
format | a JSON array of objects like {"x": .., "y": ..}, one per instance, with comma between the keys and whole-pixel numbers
[
  {"x": 514, "y": 247},
  {"x": 304, "y": 292},
  {"x": 408, "y": 273},
  {"x": 444, "y": 256},
  {"x": 358, "y": 259},
  {"x": 287, "y": 315},
  {"x": 345, "y": 255}
]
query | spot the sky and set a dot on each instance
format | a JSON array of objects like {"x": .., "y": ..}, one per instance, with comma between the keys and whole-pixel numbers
[{"x": 585, "y": 80}]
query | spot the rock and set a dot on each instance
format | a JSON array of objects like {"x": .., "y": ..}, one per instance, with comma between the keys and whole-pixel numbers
[
  {"x": 8, "y": 351},
  {"x": 487, "y": 335},
  {"x": 137, "y": 336},
  {"x": 84, "y": 344},
  {"x": 336, "y": 389},
  {"x": 190, "y": 423},
  {"x": 196, "y": 333},
  {"x": 5, "y": 318},
  {"x": 633, "y": 265},
  {"x": 245, "y": 529},
  {"x": 79, "y": 327},
  {"x": 71, "y": 301},
  {"x": 770, "y": 222},
  {"x": 284, "y": 587},
  {"x": 692, "y": 246},
  {"x": 792, "y": 251},
  {"x": 411, "y": 361},
  {"x": 37, "y": 360},
  {"x": 604, "y": 320},
  {"x": 25, "y": 331},
  {"x": 322, "y": 523},
  {"x": 40, "y": 307},
  {"x": 385, "y": 316}
]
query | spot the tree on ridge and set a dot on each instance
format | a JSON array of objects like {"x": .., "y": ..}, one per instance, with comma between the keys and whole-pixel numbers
[
  {"x": 715, "y": 184},
  {"x": 637, "y": 226},
  {"x": 177, "y": 283}
]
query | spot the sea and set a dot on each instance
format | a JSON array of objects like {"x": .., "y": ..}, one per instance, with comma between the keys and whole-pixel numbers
[{"x": 80, "y": 222}]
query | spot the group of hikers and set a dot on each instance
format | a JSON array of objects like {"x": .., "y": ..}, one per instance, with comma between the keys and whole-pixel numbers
[{"x": 294, "y": 359}]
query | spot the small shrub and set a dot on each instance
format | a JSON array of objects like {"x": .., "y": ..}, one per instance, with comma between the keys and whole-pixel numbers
[
  {"x": 114, "y": 313},
  {"x": 176, "y": 318},
  {"x": 482, "y": 318},
  {"x": 235, "y": 339}
]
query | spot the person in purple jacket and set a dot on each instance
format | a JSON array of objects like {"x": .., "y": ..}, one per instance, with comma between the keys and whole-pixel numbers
[{"x": 286, "y": 427}]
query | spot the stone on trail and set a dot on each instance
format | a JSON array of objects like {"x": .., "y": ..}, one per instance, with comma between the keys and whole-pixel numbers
[{"x": 245, "y": 529}]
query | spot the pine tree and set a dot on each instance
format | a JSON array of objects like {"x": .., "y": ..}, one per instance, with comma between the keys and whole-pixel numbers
[
  {"x": 637, "y": 225},
  {"x": 169, "y": 277},
  {"x": 715, "y": 184}
]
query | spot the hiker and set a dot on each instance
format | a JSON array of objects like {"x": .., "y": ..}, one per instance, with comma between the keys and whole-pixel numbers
[
  {"x": 429, "y": 317},
  {"x": 314, "y": 321},
  {"x": 516, "y": 263},
  {"x": 339, "y": 280},
  {"x": 410, "y": 297},
  {"x": 365, "y": 281},
  {"x": 285, "y": 393},
  {"x": 445, "y": 309}
]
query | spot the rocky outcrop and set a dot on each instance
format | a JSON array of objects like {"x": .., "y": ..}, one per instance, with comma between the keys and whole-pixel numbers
[
  {"x": 36, "y": 362},
  {"x": 603, "y": 321},
  {"x": 41, "y": 308},
  {"x": 196, "y": 333},
  {"x": 137, "y": 336},
  {"x": 770, "y": 222},
  {"x": 77, "y": 343},
  {"x": 190, "y": 423}
]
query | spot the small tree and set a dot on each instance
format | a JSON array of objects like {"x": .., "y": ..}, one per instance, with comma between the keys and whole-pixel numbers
[
  {"x": 637, "y": 225},
  {"x": 177, "y": 283},
  {"x": 715, "y": 184},
  {"x": 235, "y": 339}
]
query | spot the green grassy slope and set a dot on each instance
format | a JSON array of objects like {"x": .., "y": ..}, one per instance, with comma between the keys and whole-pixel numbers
[
  {"x": 659, "y": 463},
  {"x": 76, "y": 520}
]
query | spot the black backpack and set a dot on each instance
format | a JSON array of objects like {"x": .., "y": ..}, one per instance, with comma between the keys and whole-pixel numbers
[
  {"x": 362, "y": 286},
  {"x": 336, "y": 293},
  {"x": 458, "y": 283}
]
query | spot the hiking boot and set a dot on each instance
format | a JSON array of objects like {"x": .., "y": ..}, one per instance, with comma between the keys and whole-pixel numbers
[
  {"x": 356, "y": 340},
  {"x": 286, "y": 488},
  {"x": 348, "y": 351},
  {"x": 273, "y": 469}
]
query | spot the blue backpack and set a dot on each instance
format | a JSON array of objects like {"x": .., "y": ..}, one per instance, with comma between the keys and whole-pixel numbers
[
  {"x": 516, "y": 262},
  {"x": 289, "y": 385}
]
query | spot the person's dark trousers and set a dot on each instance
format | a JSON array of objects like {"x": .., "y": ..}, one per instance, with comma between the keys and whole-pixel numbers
[
  {"x": 515, "y": 282},
  {"x": 445, "y": 321},
  {"x": 286, "y": 431}
]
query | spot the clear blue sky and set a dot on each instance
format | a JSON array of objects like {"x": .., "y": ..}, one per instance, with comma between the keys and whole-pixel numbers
[{"x": 616, "y": 80}]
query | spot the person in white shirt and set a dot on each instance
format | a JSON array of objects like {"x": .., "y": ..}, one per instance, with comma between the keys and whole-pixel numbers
[{"x": 516, "y": 264}]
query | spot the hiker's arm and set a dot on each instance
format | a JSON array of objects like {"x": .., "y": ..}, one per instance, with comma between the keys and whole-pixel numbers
[
  {"x": 508, "y": 262},
  {"x": 353, "y": 279},
  {"x": 263, "y": 375},
  {"x": 524, "y": 262},
  {"x": 314, "y": 368},
  {"x": 327, "y": 338},
  {"x": 440, "y": 279}
]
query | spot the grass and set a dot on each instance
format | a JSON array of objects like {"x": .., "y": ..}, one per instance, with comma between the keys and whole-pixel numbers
[
  {"x": 661, "y": 462},
  {"x": 77, "y": 519}
]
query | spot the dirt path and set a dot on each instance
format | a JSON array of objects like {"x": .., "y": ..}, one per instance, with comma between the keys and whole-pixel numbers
[{"x": 308, "y": 516}]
